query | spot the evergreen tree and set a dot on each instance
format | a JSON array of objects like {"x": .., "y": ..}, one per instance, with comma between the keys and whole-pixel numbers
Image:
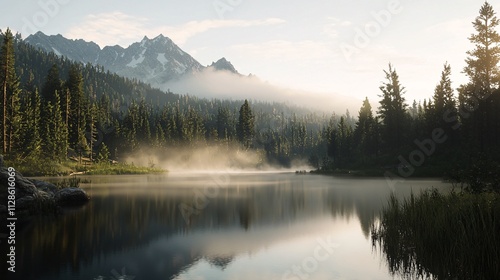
[
  {"x": 392, "y": 110},
  {"x": 364, "y": 137},
  {"x": 482, "y": 69},
  {"x": 130, "y": 127},
  {"x": 443, "y": 94},
  {"x": 82, "y": 146},
  {"x": 160, "y": 140},
  {"x": 10, "y": 93},
  {"x": 31, "y": 143},
  {"x": 444, "y": 105},
  {"x": 482, "y": 63},
  {"x": 76, "y": 101},
  {"x": 60, "y": 131},
  {"x": 344, "y": 141},
  {"x": 92, "y": 132},
  {"x": 55, "y": 132},
  {"x": 195, "y": 127},
  {"x": 143, "y": 127},
  {"x": 52, "y": 85},
  {"x": 14, "y": 117},
  {"x": 225, "y": 126},
  {"x": 246, "y": 126},
  {"x": 103, "y": 156}
]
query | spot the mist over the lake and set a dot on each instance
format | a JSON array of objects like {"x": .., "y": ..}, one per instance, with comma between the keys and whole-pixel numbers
[{"x": 212, "y": 157}]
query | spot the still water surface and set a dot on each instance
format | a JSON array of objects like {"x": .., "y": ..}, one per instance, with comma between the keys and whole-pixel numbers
[{"x": 215, "y": 226}]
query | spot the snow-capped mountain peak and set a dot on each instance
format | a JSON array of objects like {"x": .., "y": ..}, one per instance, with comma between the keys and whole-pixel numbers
[
  {"x": 223, "y": 65},
  {"x": 153, "y": 61}
]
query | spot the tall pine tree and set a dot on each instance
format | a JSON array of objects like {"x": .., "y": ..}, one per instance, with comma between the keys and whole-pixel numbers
[
  {"x": 484, "y": 77},
  {"x": 10, "y": 94},
  {"x": 392, "y": 110},
  {"x": 31, "y": 144},
  {"x": 444, "y": 101},
  {"x": 245, "y": 128},
  {"x": 444, "y": 106},
  {"x": 364, "y": 134},
  {"x": 52, "y": 85}
]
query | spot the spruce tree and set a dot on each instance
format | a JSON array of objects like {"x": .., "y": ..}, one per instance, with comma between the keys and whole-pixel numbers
[
  {"x": 52, "y": 85},
  {"x": 92, "y": 132},
  {"x": 444, "y": 105},
  {"x": 246, "y": 126},
  {"x": 484, "y": 77},
  {"x": 343, "y": 142},
  {"x": 60, "y": 130},
  {"x": 103, "y": 156},
  {"x": 392, "y": 110},
  {"x": 364, "y": 132},
  {"x": 77, "y": 117},
  {"x": 48, "y": 130},
  {"x": 482, "y": 63},
  {"x": 443, "y": 94},
  {"x": 225, "y": 126},
  {"x": 31, "y": 143},
  {"x": 9, "y": 82}
]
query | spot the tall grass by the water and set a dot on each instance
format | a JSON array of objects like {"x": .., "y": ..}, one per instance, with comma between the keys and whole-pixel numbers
[
  {"x": 72, "y": 182},
  {"x": 121, "y": 168},
  {"x": 38, "y": 167},
  {"x": 443, "y": 236}
]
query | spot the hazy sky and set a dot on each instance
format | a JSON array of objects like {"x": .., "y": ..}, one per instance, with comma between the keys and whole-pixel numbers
[{"x": 339, "y": 46}]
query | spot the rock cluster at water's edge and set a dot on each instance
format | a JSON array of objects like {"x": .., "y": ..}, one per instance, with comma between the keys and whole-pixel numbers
[{"x": 31, "y": 193}]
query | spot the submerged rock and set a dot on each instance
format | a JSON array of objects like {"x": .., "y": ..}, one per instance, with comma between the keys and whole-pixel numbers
[{"x": 71, "y": 197}]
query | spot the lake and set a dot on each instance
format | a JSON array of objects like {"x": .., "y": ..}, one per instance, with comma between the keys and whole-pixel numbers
[{"x": 215, "y": 225}]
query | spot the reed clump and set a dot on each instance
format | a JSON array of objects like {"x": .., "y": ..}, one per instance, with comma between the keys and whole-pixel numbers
[{"x": 441, "y": 236}]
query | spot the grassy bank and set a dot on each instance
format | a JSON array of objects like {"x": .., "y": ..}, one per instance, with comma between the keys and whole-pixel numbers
[
  {"x": 121, "y": 168},
  {"x": 421, "y": 172},
  {"x": 453, "y": 236},
  {"x": 33, "y": 168}
]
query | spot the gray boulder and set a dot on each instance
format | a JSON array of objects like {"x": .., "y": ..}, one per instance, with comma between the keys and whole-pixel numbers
[
  {"x": 47, "y": 187},
  {"x": 71, "y": 197},
  {"x": 31, "y": 193}
]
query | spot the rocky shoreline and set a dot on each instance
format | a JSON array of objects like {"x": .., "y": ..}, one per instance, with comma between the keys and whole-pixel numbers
[{"x": 32, "y": 196}]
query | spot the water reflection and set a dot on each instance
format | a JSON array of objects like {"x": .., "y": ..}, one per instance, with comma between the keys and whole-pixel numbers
[{"x": 134, "y": 222}]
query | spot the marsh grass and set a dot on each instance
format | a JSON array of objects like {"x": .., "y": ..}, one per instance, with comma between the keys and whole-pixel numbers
[
  {"x": 121, "y": 168},
  {"x": 38, "y": 167},
  {"x": 72, "y": 182},
  {"x": 438, "y": 236}
]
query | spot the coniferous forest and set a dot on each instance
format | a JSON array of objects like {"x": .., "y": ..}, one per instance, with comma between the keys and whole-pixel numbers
[
  {"x": 216, "y": 213},
  {"x": 53, "y": 109}
]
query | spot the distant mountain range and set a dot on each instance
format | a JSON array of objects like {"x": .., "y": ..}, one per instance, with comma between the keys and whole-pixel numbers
[
  {"x": 163, "y": 65},
  {"x": 154, "y": 61}
]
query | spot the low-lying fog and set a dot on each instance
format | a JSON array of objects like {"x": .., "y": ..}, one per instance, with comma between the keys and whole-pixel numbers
[
  {"x": 211, "y": 83},
  {"x": 209, "y": 158}
]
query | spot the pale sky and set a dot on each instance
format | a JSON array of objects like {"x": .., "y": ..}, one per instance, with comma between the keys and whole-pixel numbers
[{"x": 335, "y": 46}]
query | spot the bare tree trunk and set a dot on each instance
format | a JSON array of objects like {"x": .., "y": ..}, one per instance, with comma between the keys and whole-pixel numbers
[
  {"x": 11, "y": 128},
  {"x": 4, "y": 123}
]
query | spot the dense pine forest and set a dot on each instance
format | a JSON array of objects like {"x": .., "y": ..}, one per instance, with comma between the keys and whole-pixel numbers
[{"x": 54, "y": 109}]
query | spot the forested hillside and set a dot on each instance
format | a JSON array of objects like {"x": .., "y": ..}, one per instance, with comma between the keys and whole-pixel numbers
[
  {"x": 56, "y": 107},
  {"x": 53, "y": 108}
]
